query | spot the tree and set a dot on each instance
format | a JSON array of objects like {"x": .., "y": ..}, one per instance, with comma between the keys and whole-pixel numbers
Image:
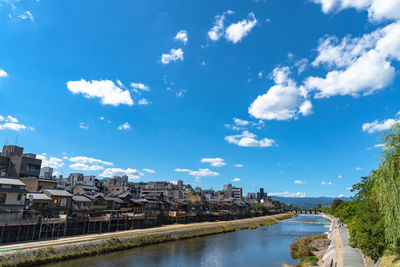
[{"x": 388, "y": 185}]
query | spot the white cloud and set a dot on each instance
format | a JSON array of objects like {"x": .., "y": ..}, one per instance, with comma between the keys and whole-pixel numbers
[
  {"x": 51, "y": 162},
  {"x": 11, "y": 123},
  {"x": 12, "y": 119},
  {"x": 288, "y": 194},
  {"x": 236, "y": 180},
  {"x": 283, "y": 101},
  {"x": 88, "y": 160},
  {"x": 260, "y": 74},
  {"x": 215, "y": 162},
  {"x": 378, "y": 126},
  {"x": 140, "y": 86},
  {"x": 368, "y": 73},
  {"x": 26, "y": 15},
  {"x": 237, "y": 31},
  {"x": 341, "y": 195},
  {"x": 125, "y": 126},
  {"x": 248, "y": 139},
  {"x": 377, "y": 9},
  {"x": 101, "y": 118},
  {"x": 299, "y": 182},
  {"x": 326, "y": 183},
  {"x": 181, "y": 93},
  {"x": 199, "y": 172},
  {"x": 144, "y": 101},
  {"x": 182, "y": 36},
  {"x": 240, "y": 122},
  {"x": 217, "y": 31},
  {"x": 132, "y": 174},
  {"x": 83, "y": 125},
  {"x": 239, "y": 165},
  {"x": 85, "y": 167},
  {"x": 149, "y": 170},
  {"x": 174, "y": 55},
  {"x": 379, "y": 145},
  {"x": 340, "y": 176},
  {"x": 358, "y": 169},
  {"x": 362, "y": 64},
  {"x": 106, "y": 90},
  {"x": 3, "y": 73}
]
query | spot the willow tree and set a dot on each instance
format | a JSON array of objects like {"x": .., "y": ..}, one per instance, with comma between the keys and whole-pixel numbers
[{"x": 388, "y": 185}]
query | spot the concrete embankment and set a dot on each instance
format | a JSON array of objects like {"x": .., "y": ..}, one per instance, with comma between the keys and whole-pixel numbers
[
  {"x": 27, "y": 254},
  {"x": 339, "y": 252}
]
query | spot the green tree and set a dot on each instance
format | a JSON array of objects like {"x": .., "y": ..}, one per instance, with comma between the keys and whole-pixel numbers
[{"x": 388, "y": 185}]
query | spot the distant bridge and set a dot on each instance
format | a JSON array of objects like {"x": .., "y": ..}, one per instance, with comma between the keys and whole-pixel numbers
[{"x": 304, "y": 211}]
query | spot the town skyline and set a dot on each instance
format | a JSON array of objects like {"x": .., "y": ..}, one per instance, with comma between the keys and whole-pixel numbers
[{"x": 254, "y": 94}]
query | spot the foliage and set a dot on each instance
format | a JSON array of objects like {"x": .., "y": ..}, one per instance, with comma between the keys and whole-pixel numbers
[
  {"x": 388, "y": 186},
  {"x": 311, "y": 260},
  {"x": 302, "y": 248},
  {"x": 259, "y": 206}
]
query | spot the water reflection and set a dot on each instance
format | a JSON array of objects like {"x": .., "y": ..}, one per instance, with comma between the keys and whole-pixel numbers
[{"x": 265, "y": 246}]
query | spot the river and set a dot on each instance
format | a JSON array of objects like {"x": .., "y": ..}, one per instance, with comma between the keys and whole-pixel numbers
[{"x": 265, "y": 246}]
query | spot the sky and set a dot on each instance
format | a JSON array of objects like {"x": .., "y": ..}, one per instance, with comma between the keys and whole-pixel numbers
[{"x": 288, "y": 95}]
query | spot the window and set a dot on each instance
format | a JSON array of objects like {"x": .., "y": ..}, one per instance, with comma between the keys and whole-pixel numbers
[
  {"x": 2, "y": 198},
  {"x": 63, "y": 202},
  {"x": 19, "y": 197}
]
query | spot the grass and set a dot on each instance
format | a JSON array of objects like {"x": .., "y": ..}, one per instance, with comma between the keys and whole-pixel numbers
[
  {"x": 390, "y": 259},
  {"x": 302, "y": 249},
  {"x": 311, "y": 260}
]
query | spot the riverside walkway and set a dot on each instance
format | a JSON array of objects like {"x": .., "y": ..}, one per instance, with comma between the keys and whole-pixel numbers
[{"x": 351, "y": 256}]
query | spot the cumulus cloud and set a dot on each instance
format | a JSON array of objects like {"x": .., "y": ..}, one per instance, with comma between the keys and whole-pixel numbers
[
  {"x": 174, "y": 55},
  {"x": 358, "y": 169},
  {"x": 51, "y": 162},
  {"x": 85, "y": 167},
  {"x": 248, "y": 139},
  {"x": 283, "y": 101},
  {"x": 377, "y": 9},
  {"x": 299, "y": 182},
  {"x": 215, "y": 162},
  {"x": 340, "y": 176},
  {"x": 12, "y": 123},
  {"x": 132, "y": 174},
  {"x": 126, "y": 126},
  {"x": 199, "y": 173},
  {"x": 217, "y": 31},
  {"x": 326, "y": 183},
  {"x": 239, "y": 165},
  {"x": 3, "y": 73},
  {"x": 341, "y": 195},
  {"x": 378, "y": 126},
  {"x": 236, "y": 180},
  {"x": 182, "y": 35},
  {"x": 237, "y": 31},
  {"x": 89, "y": 160},
  {"x": 106, "y": 90},
  {"x": 288, "y": 194},
  {"x": 149, "y": 170},
  {"x": 361, "y": 65}
]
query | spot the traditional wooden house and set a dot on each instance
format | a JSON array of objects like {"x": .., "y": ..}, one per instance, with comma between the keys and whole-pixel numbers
[{"x": 61, "y": 201}]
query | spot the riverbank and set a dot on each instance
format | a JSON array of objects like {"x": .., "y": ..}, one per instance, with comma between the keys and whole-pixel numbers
[{"x": 27, "y": 254}]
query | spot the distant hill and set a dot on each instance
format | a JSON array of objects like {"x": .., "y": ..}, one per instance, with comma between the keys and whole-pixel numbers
[{"x": 308, "y": 202}]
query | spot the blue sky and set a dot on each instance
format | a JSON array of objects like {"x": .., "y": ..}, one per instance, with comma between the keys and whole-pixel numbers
[{"x": 288, "y": 95}]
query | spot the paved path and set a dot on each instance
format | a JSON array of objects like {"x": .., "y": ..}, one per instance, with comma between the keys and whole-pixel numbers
[
  {"x": 351, "y": 256},
  {"x": 89, "y": 237}
]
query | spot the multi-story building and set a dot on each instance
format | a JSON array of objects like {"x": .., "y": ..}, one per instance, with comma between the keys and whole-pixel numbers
[
  {"x": 12, "y": 200},
  {"x": 237, "y": 193},
  {"x": 46, "y": 173},
  {"x": 18, "y": 164}
]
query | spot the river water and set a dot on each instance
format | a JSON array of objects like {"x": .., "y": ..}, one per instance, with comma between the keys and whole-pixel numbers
[{"x": 265, "y": 246}]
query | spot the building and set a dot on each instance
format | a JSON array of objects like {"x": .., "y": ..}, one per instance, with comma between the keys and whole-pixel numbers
[
  {"x": 237, "y": 193},
  {"x": 61, "y": 201},
  {"x": 46, "y": 173},
  {"x": 18, "y": 164},
  {"x": 39, "y": 202},
  {"x": 37, "y": 185},
  {"x": 12, "y": 200},
  {"x": 228, "y": 191},
  {"x": 261, "y": 195}
]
